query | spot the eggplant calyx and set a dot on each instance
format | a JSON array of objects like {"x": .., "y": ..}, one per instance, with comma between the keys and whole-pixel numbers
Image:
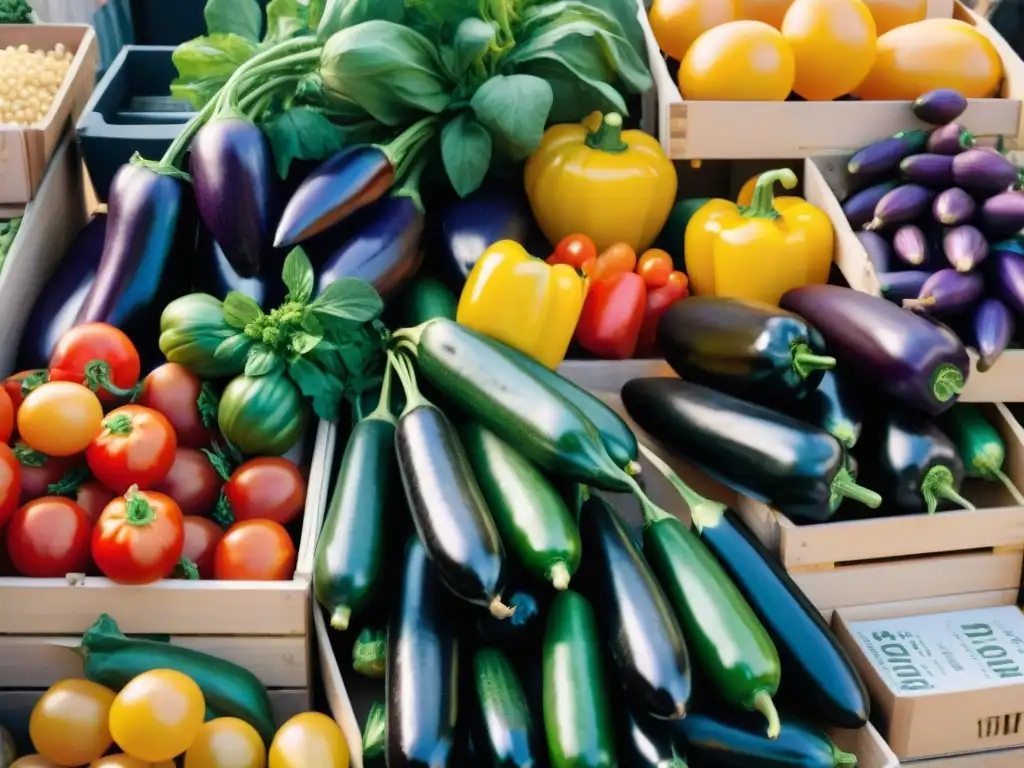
[
  {"x": 161, "y": 168},
  {"x": 189, "y": 569},
  {"x": 763, "y": 703},
  {"x": 341, "y": 617},
  {"x": 704, "y": 513},
  {"x": 968, "y": 139},
  {"x": 805, "y": 362},
  {"x": 120, "y": 424},
  {"x": 139, "y": 512},
  {"x": 845, "y": 487},
  {"x": 560, "y": 576},
  {"x": 947, "y": 382},
  {"x": 938, "y": 484}
]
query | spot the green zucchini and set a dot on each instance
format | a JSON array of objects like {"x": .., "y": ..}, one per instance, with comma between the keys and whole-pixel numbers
[
  {"x": 506, "y": 736},
  {"x": 577, "y": 718},
  {"x": 531, "y": 516},
  {"x": 979, "y": 445},
  {"x": 426, "y": 298},
  {"x": 375, "y": 736},
  {"x": 370, "y": 652}
]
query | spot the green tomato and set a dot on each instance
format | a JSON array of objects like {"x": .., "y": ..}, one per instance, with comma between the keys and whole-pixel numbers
[
  {"x": 191, "y": 330},
  {"x": 262, "y": 415}
]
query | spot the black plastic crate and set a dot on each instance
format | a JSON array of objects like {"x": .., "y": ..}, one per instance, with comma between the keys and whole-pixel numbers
[{"x": 169, "y": 22}]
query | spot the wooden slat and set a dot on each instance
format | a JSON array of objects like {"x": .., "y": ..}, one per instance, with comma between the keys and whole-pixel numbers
[{"x": 338, "y": 700}]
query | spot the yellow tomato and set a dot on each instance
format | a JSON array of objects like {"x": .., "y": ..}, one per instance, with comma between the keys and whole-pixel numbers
[
  {"x": 833, "y": 42},
  {"x": 890, "y": 14},
  {"x": 60, "y": 418},
  {"x": 33, "y": 761},
  {"x": 157, "y": 715},
  {"x": 677, "y": 23},
  {"x": 309, "y": 739},
  {"x": 120, "y": 761},
  {"x": 227, "y": 742},
  {"x": 68, "y": 725},
  {"x": 738, "y": 61},
  {"x": 768, "y": 11},
  {"x": 934, "y": 53}
]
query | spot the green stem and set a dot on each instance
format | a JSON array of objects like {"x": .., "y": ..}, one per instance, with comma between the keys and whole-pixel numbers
[
  {"x": 407, "y": 347},
  {"x": 189, "y": 569},
  {"x": 763, "y": 703},
  {"x": 68, "y": 485},
  {"x": 608, "y": 136},
  {"x": 410, "y": 185},
  {"x": 341, "y": 617},
  {"x": 938, "y": 484},
  {"x": 179, "y": 146},
  {"x": 947, "y": 382},
  {"x": 267, "y": 71},
  {"x": 253, "y": 98},
  {"x": 845, "y": 487},
  {"x": 413, "y": 334},
  {"x": 413, "y": 397},
  {"x": 1001, "y": 476},
  {"x": 97, "y": 376},
  {"x": 501, "y": 15},
  {"x": 704, "y": 512},
  {"x": 763, "y": 204},
  {"x": 805, "y": 362},
  {"x": 843, "y": 758},
  {"x": 407, "y": 142},
  {"x": 383, "y": 409},
  {"x": 139, "y": 512}
]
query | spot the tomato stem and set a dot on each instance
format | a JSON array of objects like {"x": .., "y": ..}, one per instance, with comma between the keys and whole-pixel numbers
[
  {"x": 219, "y": 462},
  {"x": 223, "y": 515},
  {"x": 68, "y": 485},
  {"x": 33, "y": 380},
  {"x": 139, "y": 511},
  {"x": 121, "y": 424},
  {"x": 29, "y": 457},
  {"x": 189, "y": 568},
  {"x": 208, "y": 403},
  {"x": 98, "y": 373}
]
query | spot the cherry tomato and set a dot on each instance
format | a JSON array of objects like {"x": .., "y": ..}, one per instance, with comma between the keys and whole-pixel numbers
[
  {"x": 21, "y": 384},
  {"x": 138, "y": 538},
  {"x": 136, "y": 447},
  {"x": 269, "y": 488},
  {"x": 192, "y": 482},
  {"x": 101, "y": 357},
  {"x": 10, "y": 483},
  {"x": 157, "y": 715},
  {"x": 574, "y": 250},
  {"x": 202, "y": 536},
  {"x": 309, "y": 739},
  {"x": 93, "y": 497},
  {"x": 654, "y": 267},
  {"x": 60, "y": 418},
  {"x": 49, "y": 538},
  {"x": 39, "y": 471},
  {"x": 255, "y": 550},
  {"x": 120, "y": 761},
  {"x": 227, "y": 742},
  {"x": 679, "y": 280},
  {"x": 6, "y": 416},
  {"x": 68, "y": 724},
  {"x": 180, "y": 395},
  {"x": 617, "y": 258}
]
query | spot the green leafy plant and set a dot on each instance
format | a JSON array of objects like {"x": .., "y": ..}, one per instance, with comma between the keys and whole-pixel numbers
[
  {"x": 8, "y": 233},
  {"x": 15, "y": 12}
]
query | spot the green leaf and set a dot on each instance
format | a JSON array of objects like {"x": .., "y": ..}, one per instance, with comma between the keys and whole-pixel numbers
[
  {"x": 234, "y": 17},
  {"x": 285, "y": 19},
  {"x": 301, "y": 133},
  {"x": 323, "y": 390},
  {"x": 348, "y": 300},
  {"x": 298, "y": 275},
  {"x": 466, "y": 151},
  {"x": 316, "y": 12},
  {"x": 342, "y": 14},
  {"x": 516, "y": 108},
  {"x": 8, "y": 233},
  {"x": 473, "y": 38},
  {"x": 303, "y": 343},
  {"x": 261, "y": 361},
  {"x": 579, "y": 79},
  {"x": 205, "y": 64},
  {"x": 325, "y": 355},
  {"x": 240, "y": 310},
  {"x": 311, "y": 325}
]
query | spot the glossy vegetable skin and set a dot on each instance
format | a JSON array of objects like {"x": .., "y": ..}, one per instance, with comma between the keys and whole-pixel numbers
[
  {"x": 985, "y": 172},
  {"x": 950, "y": 139},
  {"x": 948, "y": 291},
  {"x": 715, "y": 67},
  {"x": 472, "y": 224},
  {"x": 938, "y": 107},
  {"x": 645, "y": 742},
  {"x": 426, "y": 298},
  {"x": 965, "y": 247},
  {"x": 837, "y": 406},
  {"x": 883, "y": 157},
  {"x": 930, "y": 170},
  {"x": 69, "y": 723},
  {"x": 48, "y": 538},
  {"x": 980, "y": 447},
  {"x": 901, "y": 206},
  {"x": 1003, "y": 215},
  {"x": 213, "y": 274},
  {"x": 141, "y": 721},
  {"x": 99, "y": 356},
  {"x": 135, "y": 448},
  {"x": 504, "y": 733},
  {"x": 139, "y": 538},
  {"x": 190, "y": 407},
  {"x": 74, "y": 407},
  {"x": 953, "y": 207},
  {"x": 877, "y": 249},
  {"x": 306, "y": 735},
  {"x": 264, "y": 488},
  {"x": 262, "y": 415},
  {"x": 907, "y": 284},
  {"x": 860, "y": 206},
  {"x": 613, "y": 314},
  {"x": 994, "y": 326},
  {"x": 255, "y": 550},
  {"x": 192, "y": 328}
]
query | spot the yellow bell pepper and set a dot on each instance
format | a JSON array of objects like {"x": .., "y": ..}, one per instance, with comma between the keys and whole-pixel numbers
[
  {"x": 595, "y": 179},
  {"x": 523, "y": 302},
  {"x": 761, "y": 251}
]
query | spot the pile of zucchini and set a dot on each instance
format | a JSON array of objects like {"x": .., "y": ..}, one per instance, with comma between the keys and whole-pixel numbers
[{"x": 528, "y": 625}]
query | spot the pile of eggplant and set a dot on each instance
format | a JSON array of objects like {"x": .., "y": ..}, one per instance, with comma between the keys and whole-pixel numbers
[{"x": 940, "y": 220}]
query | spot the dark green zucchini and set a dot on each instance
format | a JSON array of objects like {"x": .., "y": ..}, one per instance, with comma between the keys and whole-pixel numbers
[
  {"x": 375, "y": 736},
  {"x": 505, "y": 737},
  {"x": 370, "y": 652},
  {"x": 577, "y": 719},
  {"x": 530, "y": 514},
  {"x": 836, "y": 406},
  {"x": 646, "y": 743},
  {"x": 426, "y": 298}
]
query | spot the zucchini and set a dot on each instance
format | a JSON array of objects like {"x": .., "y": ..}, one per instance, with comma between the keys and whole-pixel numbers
[
  {"x": 370, "y": 652},
  {"x": 506, "y": 736},
  {"x": 426, "y": 298},
  {"x": 531, "y": 516},
  {"x": 375, "y": 735},
  {"x": 647, "y": 743},
  {"x": 577, "y": 719},
  {"x": 979, "y": 445}
]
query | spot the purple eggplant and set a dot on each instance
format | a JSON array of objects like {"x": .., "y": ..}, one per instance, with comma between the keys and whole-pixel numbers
[
  {"x": 897, "y": 286},
  {"x": 884, "y": 156},
  {"x": 993, "y": 329},
  {"x": 941, "y": 106},
  {"x": 860, "y": 206},
  {"x": 951, "y": 139},
  {"x": 909, "y": 245},
  {"x": 953, "y": 207},
  {"x": 984, "y": 172},
  {"x": 928, "y": 170},
  {"x": 901, "y": 205},
  {"x": 1007, "y": 272},
  {"x": 965, "y": 247},
  {"x": 917, "y": 361},
  {"x": 233, "y": 175},
  {"x": 385, "y": 248},
  {"x": 877, "y": 248},
  {"x": 213, "y": 273},
  {"x": 1003, "y": 215},
  {"x": 948, "y": 292},
  {"x": 470, "y": 225},
  {"x": 347, "y": 181}
]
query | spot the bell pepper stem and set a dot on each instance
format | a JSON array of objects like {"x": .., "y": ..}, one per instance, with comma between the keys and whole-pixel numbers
[
  {"x": 763, "y": 204},
  {"x": 845, "y": 487},
  {"x": 139, "y": 511},
  {"x": 560, "y": 576},
  {"x": 938, "y": 484},
  {"x": 763, "y": 703},
  {"x": 704, "y": 512},
  {"x": 340, "y": 617},
  {"x": 383, "y": 409},
  {"x": 947, "y": 382},
  {"x": 805, "y": 362},
  {"x": 608, "y": 136}
]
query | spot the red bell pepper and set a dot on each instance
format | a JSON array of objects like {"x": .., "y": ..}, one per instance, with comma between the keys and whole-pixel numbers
[
  {"x": 609, "y": 325},
  {"x": 658, "y": 302}
]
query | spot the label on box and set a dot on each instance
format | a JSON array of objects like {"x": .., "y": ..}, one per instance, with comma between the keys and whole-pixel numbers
[{"x": 946, "y": 652}]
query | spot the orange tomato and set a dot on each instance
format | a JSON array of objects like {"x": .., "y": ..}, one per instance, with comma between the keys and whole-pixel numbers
[
  {"x": 738, "y": 61},
  {"x": 833, "y": 43},
  {"x": 309, "y": 739},
  {"x": 615, "y": 259},
  {"x": 68, "y": 724},
  {"x": 60, "y": 418},
  {"x": 226, "y": 742},
  {"x": 120, "y": 761},
  {"x": 6, "y": 416},
  {"x": 254, "y": 550},
  {"x": 768, "y": 11},
  {"x": 654, "y": 267},
  {"x": 157, "y": 715},
  {"x": 889, "y": 14},
  {"x": 677, "y": 23},
  {"x": 33, "y": 761}
]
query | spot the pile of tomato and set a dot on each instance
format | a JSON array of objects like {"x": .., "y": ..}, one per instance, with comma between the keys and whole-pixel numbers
[{"x": 103, "y": 473}]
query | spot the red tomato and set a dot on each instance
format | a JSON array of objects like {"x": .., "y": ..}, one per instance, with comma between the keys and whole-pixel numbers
[
  {"x": 10, "y": 483},
  {"x": 101, "y": 357},
  {"x": 654, "y": 267},
  {"x": 39, "y": 471},
  {"x": 658, "y": 302},
  {"x": 6, "y": 416},
  {"x": 202, "y": 536},
  {"x": 192, "y": 482},
  {"x": 574, "y": 250},
  {"x": 49, "y": 538},
  {"x": 178, "y": 394},
  {"x": 613, "y": 312},
  {"x": 268, "y": 488},
  {"x": 21, "y": 384},
  {"x": 255, "y": 550},
  {"x": 138, "y": 538},
  {"x": 616, "y": 259},
  {"x": 136, "y": 447},
  {"x": 93, "y": 496}
]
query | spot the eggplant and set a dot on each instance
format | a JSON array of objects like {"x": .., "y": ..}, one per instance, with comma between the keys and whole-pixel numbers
[
  {"x": 422, "y": 669},
  {"x": 1003, "y": 215},
  {"x": 897, "y": 286},
  {"x": 948, "y": 292},
  {"x": 835, "y": 406},
  {"x": 634, "y": 616},
  {"x": 877, "y": 248},
  {"x": 994, "y": 327},
  {"x": 911, "y": 462},
  {"x": 901, "y": 205},
  {"x": 345, "y": 182},
  {"x": 54, "y": 312},
  {"x": 909, "y": 245},
  {"x": 951, "y": 139},
  {"x": 769, "y": 456},
  {"x": 941, "y": 106},
  {"x": 213, "y": 273},
  {"x": 645, "y": 743},
  {"x": 883, "y": 157},
  {"x": 749, "y": 349},
  {"x": 915, "y": 360},
  {"x": 929, "y": 170},
  {"x": 233, "y": 175},
  {"x": 984, "y": 172},
  {"x": 384, "y": 250},
  {"x": 965, "y": 247},
  {"x": 860, "y": 206},
  {"x": 469, "y": 226},
  {"x": 1007, "y": 269},
  {"x": 522, "y": 627},
  {"x": 953, "y": 207}
]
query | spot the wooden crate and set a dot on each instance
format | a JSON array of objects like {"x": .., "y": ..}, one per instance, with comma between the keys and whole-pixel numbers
[
  {"x": 25, "y": 151},
  {"x": 732, "y": 130}
]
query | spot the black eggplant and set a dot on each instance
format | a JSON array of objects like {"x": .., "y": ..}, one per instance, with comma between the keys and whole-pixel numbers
[
  {"x": 911, "y": 462},
  {"x": 469, "y": 226},
  {"x": 634, "y": 616},
  {"x": 214, "y": 274},
  {"x": 747, "y": 348},
  {"x": 55, "y": 310},
  {"x": 836, "y": 406},
  {"x": 769, "y": 456},
  {"x": 422, "y": 670},
  {"x": 645, "y": 743}
]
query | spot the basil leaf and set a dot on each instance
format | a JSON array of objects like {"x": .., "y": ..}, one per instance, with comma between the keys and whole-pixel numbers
[
  {"x": 303, "y": 343},
  {"x": 323, "y": 389},
  {"x": 316, "y": 12},
  {"x": 240, "y": 310},
  {"x": 466, "y": 148},
  {"x": 325, "y": 355},
  {"x": 8, "y": 233},
  {"x": 298, "y": 275},
  {"x": 473, "y": 38},
  {"x": 261, "y": 361},
  {"x": 342, "y": 14},
  {"x": 579, "y": 79},
  {"x": 205, "y": 64},
  {"x": 516, "y": 108},
  {"x": 285, "y": 19},
  {"x": 301, "y": 133},
  {"x": 234, "y": 17},
  {"x": 350, "y": 300},
  {"x": 626, "y": 15}
]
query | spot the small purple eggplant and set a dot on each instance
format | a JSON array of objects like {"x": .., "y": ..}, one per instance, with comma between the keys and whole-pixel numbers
[
  {"x": 877, "y": 248},
  {"x": 948, "y": 292},
  {"x": 901, "y": 205},
  {"x": 929, "y": 170},
  {"x": 941, "y": 106},
  {"x": 884, "y": 156},
  {"x": 984, "y": 172},
  {"x": 953, "y": 207},
  {"x": 860, "y": 206},
  {"x": 897, "y": 286},
  {"x": 1003, "y": 215},
  {"x": 993, "y": 328},
  {"x": 950, "y": 139},
  {"x": 909, "y": 245},
  {"x": 1007, "y": 271},
  {"x": 965, "y": 247}
]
